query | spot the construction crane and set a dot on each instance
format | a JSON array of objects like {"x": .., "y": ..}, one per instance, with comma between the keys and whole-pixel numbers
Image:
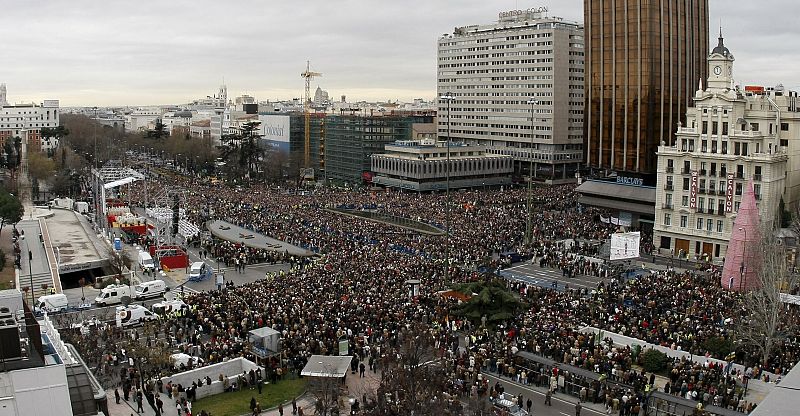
[{"x": 308, "y": 75}]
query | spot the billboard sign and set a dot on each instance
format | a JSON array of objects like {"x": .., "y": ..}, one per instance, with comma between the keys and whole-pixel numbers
[
  {"x": 275, "y": 131},
  {"x": 625, "y": 245},
  {"x": 729, "y": 193},
  {"x": 693, "y": 191}
]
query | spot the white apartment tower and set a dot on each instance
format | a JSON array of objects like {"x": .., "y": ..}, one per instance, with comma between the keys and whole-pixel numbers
[
  {"x": 517, "y": 88},
  {"x": 732, "y": 137}
]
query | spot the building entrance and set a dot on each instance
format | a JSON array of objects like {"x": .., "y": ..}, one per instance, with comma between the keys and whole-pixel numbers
[{"x": 681, "y": 244}]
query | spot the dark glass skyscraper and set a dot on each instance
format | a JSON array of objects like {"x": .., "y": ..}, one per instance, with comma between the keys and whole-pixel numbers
[{"x": 644, "y": 61}]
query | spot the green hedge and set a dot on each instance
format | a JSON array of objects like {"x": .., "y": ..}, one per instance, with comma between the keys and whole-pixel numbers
[{"x": 654, "y": 361}]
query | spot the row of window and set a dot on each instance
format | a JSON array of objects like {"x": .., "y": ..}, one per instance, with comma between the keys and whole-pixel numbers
[
  {"x": 703, "y": 171},
  {"x": 701, "y": 222}
]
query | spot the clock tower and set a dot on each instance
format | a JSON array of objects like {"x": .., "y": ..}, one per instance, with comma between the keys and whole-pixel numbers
[{"x": 720, "y": 67}]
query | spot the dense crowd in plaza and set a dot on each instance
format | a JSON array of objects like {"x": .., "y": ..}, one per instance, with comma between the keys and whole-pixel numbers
[{"x": 356, "y": 290}]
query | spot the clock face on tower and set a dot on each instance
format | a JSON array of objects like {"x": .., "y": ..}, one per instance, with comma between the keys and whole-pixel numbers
[{"x": 717, "y": 70}]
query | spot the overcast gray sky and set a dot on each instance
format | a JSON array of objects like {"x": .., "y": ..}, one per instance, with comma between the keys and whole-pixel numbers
[{"x": 90, "y": 52}]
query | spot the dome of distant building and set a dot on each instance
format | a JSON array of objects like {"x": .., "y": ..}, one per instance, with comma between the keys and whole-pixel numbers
[{"x": 721, "y": 48}]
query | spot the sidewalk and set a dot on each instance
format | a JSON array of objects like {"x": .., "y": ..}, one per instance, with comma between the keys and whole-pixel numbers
[
  {"x": 355, "y": 388},
  {"x": 129, "y": 408}
]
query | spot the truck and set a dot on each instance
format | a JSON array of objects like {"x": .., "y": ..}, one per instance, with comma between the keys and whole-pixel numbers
[
  {"x": 146, "y": 261},
  {"x": 112, "y": 294},
  {"x": 133, "y": 315},
  {"x": 51, "y": 303},
  {"x": 151, "y": 289},
  {"x": 168, "y": 306}
]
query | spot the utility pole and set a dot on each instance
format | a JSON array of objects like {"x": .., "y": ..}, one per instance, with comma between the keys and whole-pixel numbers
[
  {"x": 529, "y": 224},
  {"x": 448, "y": 97}
]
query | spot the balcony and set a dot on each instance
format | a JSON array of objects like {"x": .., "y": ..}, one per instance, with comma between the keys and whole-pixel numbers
[
  {"x": 710, "y": 211},
  {"x": 666, "y": 206},
  {"x": 712, "y": 173},
  {"x": 668, "y": 187},
  {"x": 758, "y": 197},
  {"x": 757, "y": 177},
  {"x": 701, "y": 190},
  {"x": 685, "y": 171},
  {"x": 670, "y": 169},
  {"x": 703, "y": 172},
  {"x": 739, "y": 175},
  {"x": 721, "y": 192}
]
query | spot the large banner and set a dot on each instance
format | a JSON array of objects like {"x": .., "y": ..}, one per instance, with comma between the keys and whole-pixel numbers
[
  {"x": 729, "y": 194},
  {"x": 693, "y": 191},
  {"x": 275, "y": 131},
  {"x": 625, "y": 245}
]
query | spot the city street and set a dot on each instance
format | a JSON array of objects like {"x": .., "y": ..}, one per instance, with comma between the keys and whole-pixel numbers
[
  {"x": 562, "y": 405},
  {"x": 544, "y": 276}
]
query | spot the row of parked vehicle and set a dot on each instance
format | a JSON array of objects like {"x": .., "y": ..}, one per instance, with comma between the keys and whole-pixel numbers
[{"x": 109, "y": 295}]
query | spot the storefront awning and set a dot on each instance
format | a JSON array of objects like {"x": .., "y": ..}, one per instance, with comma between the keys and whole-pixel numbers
[{"x": 641, "y": 194}]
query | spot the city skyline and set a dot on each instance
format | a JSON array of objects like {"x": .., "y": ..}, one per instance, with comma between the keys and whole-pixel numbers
[{"x": 109, "y": 54}]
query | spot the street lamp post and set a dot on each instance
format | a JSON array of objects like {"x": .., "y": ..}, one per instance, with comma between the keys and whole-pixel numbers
[
  {"x": 447, "y": 97},
  {"x": 30, "y": 270},
  {"x": 94, "y": 133},
  {"x": 744, "y": 253},
  {"x": 529, "y": 225}
]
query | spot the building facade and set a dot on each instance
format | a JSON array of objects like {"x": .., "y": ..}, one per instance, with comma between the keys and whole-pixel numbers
[
  {"x": 421, "y": 166},
  {"x": 492, "y": 71},
  {"x": 731, "y": 137},
  {"x": 644, "y": 61},
  {"x": 40, "y": 374},
  {"x": 351, "y": 140},
  {"x": 26, "y": 121}
]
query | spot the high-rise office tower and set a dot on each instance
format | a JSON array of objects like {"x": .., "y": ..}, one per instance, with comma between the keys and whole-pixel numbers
[
  {"x": 517, "y": 87},
  {"x": 644, "y": 61}
]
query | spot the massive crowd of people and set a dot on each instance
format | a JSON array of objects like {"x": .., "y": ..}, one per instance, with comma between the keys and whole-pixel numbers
[{"x": 356, "y": 290}]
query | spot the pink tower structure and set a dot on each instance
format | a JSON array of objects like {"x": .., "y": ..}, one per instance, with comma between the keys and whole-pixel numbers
[{"x": 743, "y": 258}]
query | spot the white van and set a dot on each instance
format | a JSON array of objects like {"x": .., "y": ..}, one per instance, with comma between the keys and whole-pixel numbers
[
  {"x": 151, "y": 289},
  {"x": 146, "y": 261},
  {"x": 112, "y": 294},
  {"x": 199, "y": 271},
  {"x": 133, "y": 315},
  {"x": 52, "y": 303},
  {"x": 167, "y": 307}
]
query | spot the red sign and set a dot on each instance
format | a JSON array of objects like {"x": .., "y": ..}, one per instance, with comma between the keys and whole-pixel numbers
[
  {"x": 729, "y": 194},
  {"x": 693, "y": 191}
]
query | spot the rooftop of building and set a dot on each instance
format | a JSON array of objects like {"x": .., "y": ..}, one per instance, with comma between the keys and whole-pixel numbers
[
  {"x": 516, "y": 19},
  {"x": 721, "y": 49},
  {"x": 28, "y": 342}
]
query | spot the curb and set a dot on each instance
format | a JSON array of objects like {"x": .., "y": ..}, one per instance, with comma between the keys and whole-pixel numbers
[{"x": 276, "y": 406}]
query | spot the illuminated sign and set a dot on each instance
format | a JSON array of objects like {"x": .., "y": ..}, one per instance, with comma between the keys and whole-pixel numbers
[
  {"x": 625, "y": 180},
  {"x": 729, "y": 194},
  {"x": 518, "y": 13},
  {"x": 693, "y": 191}
]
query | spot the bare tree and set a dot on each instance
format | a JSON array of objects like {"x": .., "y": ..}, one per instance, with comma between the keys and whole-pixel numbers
[
  {"x": 763, "y": 327},
  {"x": 414, "y": 381},
  {"x": 118, "y": 262},
  {"x": 326, "y": 392}
]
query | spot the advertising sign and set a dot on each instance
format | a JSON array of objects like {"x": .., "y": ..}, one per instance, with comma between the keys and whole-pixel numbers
[
  {"x": 693, "y": 191},
  {"x": 729, "y": 194},
  {"x": 275, "y": 131},
  {"x": 625, "y": 245}
]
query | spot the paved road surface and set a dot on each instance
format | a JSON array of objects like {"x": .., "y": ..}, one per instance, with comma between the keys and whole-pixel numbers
[
  {"x": 230, "y": 232},
  {"x": 563, "y": 405},
  {"x": 39, "y": 268},
  {"x": 544, "y": 276}
]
